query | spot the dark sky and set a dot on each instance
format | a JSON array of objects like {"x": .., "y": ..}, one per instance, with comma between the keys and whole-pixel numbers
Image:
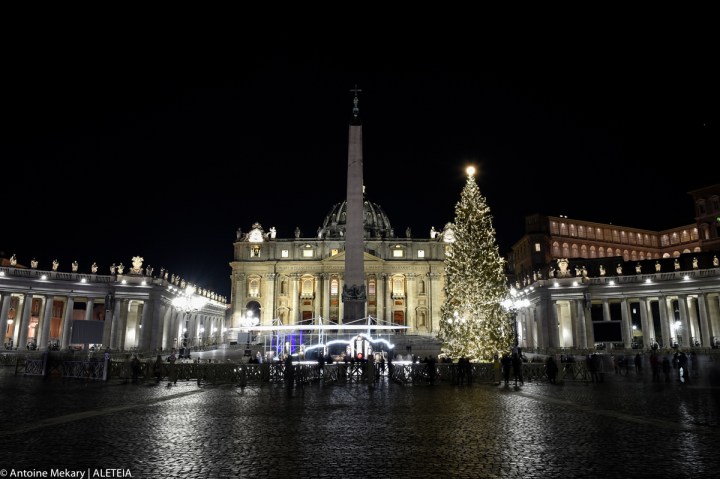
[{"x": 105, "y": 160}]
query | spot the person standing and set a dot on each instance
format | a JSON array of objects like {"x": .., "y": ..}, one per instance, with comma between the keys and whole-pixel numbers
[
  {"x": 517, "y": 369},
  {"x": 666, "y": 368},
  {"x": 551, "y": 369},
  {"x": 172, "y": 372},
  {"x": 157, "y": 368},
  {"x": 506, "y": 366},
  {"x": 638, "y": 364},
  {"x": 431, "y": 369},
  {"x": 655, "y": 367},
  {"x": 135, "y": 367},
  {"x": 683, "y": 367},
  {"x": 370, "y": 370},
  {"x": 289, "y": 374}
]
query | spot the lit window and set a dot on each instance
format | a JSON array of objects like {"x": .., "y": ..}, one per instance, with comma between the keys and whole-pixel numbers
[
  {"x": 254, "y": 288},
  {"x": 398, "y": 287},
  {"x": 421, "y": 253},
  {"x": 307, "y": 253},
  {"x": 398, "y": 253},
  {"x": 333, "y": 252},
  {"x": 307, "y": 287},
  {"x": 285, "y": 253},
  {"x": 537, "y": 247}
]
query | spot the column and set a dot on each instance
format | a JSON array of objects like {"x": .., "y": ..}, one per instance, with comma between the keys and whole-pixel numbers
[
  {"x": 295, "y": 295},
  {"x": 664, "y": 325},
  {"x": 107, "y": 327},
  {"x": 270, "y": 309},
  {"x": 693, "y": 324},
  {"x": 145, "y": 326},
  {"x": 411, "y": 296},
  {"x": 317, "y": 301},
  {"x": 192, "y": 328},
  {"x": 114, "y": 326},
  {"x": 168, "y": 322},
  {"x": 389, "y": 301},
  {"x": 341, "y": 303},
  {"x": 582, "y": 334},
  {"x": 239, "y": 299},
  {"x": 552, "y": 325},
  {"x": 326, "y": 296},
  {"x": 648, "y": 332},
  {"x": 24, "y": 321},
  {"x": 380, "y": 297},
  {"x": 67, "y": 323},
  {"x": 589, "y": 330},
  {"x": 704, "y": 324},
  {"x": 44, "y": 329},
  {"x": 683, "y": 333},
  {"x": 529, "y": 328},
  {"x": 606, "y": 310},
  {"x": 522, "y": 319},
  {"x": 4, "y": 310},
  {"x": 625, "y": 323},
  {"x": 156, "y": 321},
  {"x": 89, "y": 307}
]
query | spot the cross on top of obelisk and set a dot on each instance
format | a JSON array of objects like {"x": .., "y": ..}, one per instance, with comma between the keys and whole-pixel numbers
[{"x": 356, "y": 110}]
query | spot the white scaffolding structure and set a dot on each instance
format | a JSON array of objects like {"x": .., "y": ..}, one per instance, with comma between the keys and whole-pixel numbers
[{"x": 359, "y": 336}]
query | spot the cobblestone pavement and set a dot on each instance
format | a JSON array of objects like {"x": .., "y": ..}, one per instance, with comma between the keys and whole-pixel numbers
[{"x": 624, "y": 427}]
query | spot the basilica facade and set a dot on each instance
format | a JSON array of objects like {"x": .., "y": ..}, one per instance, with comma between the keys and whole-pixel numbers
[{"x": 299, "y": 280}]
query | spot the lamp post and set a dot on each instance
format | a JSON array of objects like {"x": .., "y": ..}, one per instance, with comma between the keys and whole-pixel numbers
[
  {"x": 188, "y": 302},
  {"x": 248, "y": 321},
  {"x": 512, "y": 305}
]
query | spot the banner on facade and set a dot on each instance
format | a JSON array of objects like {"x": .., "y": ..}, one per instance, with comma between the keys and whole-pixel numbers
[{"x": 87, "y": 332}]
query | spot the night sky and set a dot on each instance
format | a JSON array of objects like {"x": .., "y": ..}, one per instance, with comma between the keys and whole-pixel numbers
[{"x": 109, "y": 160}]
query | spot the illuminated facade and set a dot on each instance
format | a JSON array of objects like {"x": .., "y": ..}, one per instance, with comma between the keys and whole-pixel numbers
[
  {"x": 56, "y": 310},
  {"x": 594, "y": 284},
  {"x": 297, "y": 280}
]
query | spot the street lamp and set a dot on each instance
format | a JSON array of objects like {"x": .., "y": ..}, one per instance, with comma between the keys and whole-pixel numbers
[
  {"x": 248, "y": 321},
  {"x": 187, "y": 302},
  {"x": 512, "y": 305}
]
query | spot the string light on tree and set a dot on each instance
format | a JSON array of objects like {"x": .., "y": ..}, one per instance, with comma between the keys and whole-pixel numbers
[{"x": 473, "y": 322}]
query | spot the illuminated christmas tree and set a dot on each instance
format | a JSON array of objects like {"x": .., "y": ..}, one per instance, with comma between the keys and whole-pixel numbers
[{"x": 473, "y": 323}]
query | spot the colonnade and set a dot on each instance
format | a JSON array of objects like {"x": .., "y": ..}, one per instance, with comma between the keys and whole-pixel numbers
[
  {"x": 565, "y": 320},
  {"x": 130, "y": 323}
]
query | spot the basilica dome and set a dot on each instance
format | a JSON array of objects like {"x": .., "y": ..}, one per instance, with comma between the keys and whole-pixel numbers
[{"x": 375, "y": 222}]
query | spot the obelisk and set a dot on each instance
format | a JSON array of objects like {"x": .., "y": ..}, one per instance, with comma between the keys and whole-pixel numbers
[{"x": 354, "y": 296}]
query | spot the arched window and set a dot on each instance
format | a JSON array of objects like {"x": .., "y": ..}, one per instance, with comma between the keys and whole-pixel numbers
[
  {"x": 307, "y": 287},
  {"x": 371, "y": 287},
  {"x": 563, "y": 229},
  {"x": 398, "y": 287},
  {"x": 334, "y": 287},
  {"x": 254, "y": 288}
]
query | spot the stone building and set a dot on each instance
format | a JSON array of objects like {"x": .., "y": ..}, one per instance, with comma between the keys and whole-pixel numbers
[
  {"x": 131, "y": 311},
  {"x": 299, "y": 279},
  {"x": 600, "y": 285}
]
